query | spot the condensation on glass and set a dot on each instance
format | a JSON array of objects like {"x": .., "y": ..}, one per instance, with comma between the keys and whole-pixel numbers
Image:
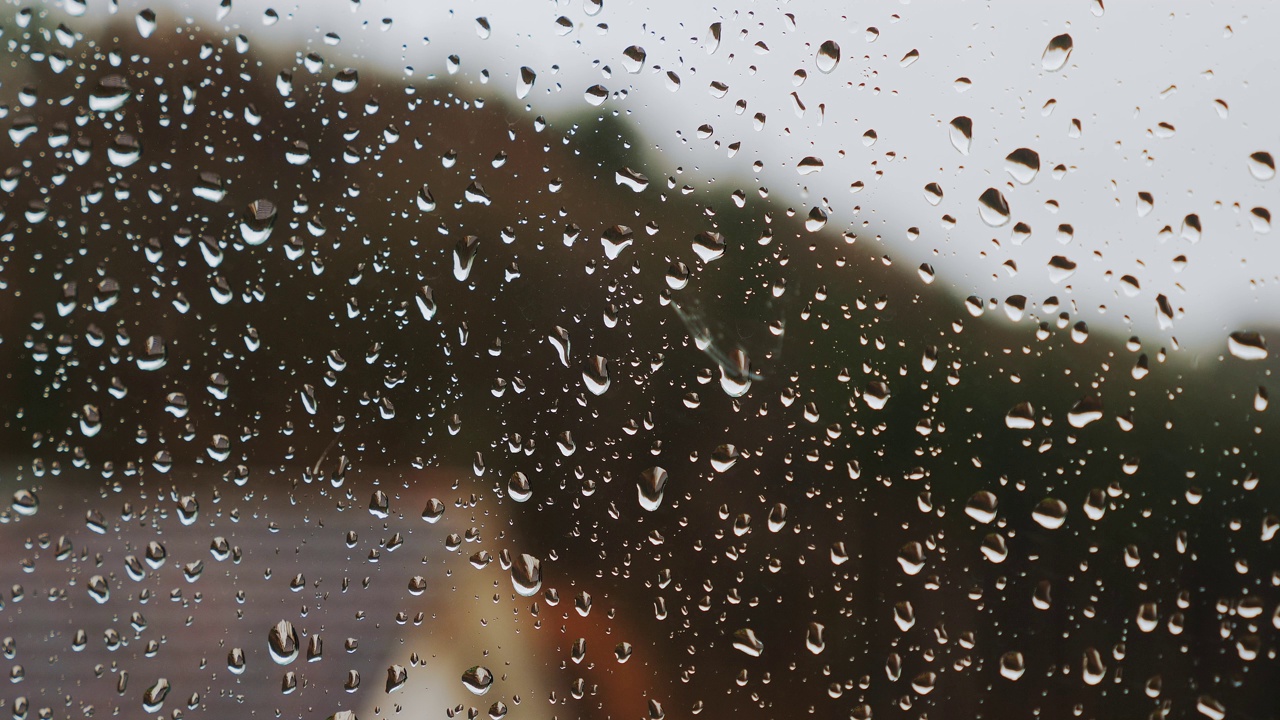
[{"x": 595, "y": 359}]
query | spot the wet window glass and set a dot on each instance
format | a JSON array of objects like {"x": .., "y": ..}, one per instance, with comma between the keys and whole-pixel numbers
[{"x": 587, "y": 359}]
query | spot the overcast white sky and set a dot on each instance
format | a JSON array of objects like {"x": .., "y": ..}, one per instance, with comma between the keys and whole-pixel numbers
[{"x": 1132, "y": 67}]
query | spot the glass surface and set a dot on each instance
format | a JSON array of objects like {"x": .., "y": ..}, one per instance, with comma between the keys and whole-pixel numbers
[{"x": 603, "y": 359}]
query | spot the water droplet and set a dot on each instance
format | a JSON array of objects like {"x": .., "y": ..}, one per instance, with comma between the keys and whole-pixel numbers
[
  {"x": 814, "y": 639},
  {"x": 110, "y": 94},
  {"x": 911, "y": 558},
  {"x": 153, "y": 698},
  {"x": 933, "y": 193},
  {"x": 426, "y": 201},
  {"x": 477, "y": 679},
  {"x": 464, "y": 255},
  {"x": 524, "y": 84},
  {"x": 125, "y": 150},
  {"x": 816, "y": 221},
  {"x": 1061, "y": 268},
  {"x": 809, "y": 165},
  {"x": 961, "y": 132},
  {"x": 633, "y": 179},
  {"x": 622, "y": 651},
  {"x": 1056, "y": 53},
  {"x": 98, "y": 588},
  {"x": 397, "y": 676},
  {"x": 777, "y": 517},
  {"x": 745, "y": 640},
  {"x": 615, "y": 240},
  {"x": 1262, "y": 166},
  {"x": 1012, "y": 665},
  {"x": 596, "y": 95},
  {"x": 982, "y": 506},
  {"x": 596, "y": 375},
  {"x": 1247, "y": 345},
  {"x": 346, "y": 80},
  {"x": 146, "y": 22},
  {"x": 25, "y": 503},
  {"x": 1050, "y": 513},
  {"x": 379, "y": 505},
  {"x": 1211, "y": 708},
  {"x": 1087, "y": 410},
  {"x": 526, "y": 575},
  {"x": 709, "y": 246},
  {"x": 633, "y": 59},
  {"x": 282, "y": 641},
  {"x": 828, "y": 56},
  {"x": 652, "y": 484},
  {"x": 236, "y": 661},
  {"x": 258, "y": 221},
  {"x": 995, "y": 548},
  {"x": 1092, "y": 667},
  {"x": 1023, "y": 164},
  {"x": 993, "y": 208},
  {"x": 154, "y": 355}
]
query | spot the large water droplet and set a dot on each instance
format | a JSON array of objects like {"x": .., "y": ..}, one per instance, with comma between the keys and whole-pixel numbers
[
  {"x": 961, "y": 132},
  {"x": 1056, "y": 53},
  {"x": 993, "y": 208},
  {"x": 282, "y": 641},
  {"x": 745, "y": 640},
  {"x": 464, "y": 255},
  {"x": 477, "y": 679},
  {"x": 258, "y": 221},
  {"x": 709, "y": 246},
  {"x": 1023, "y": 164},
  {"x": 153, "y": 698},
  {"x": 524, "y": 84},
  {"x": 828, "y": 56},
  {"x": 1247, "y": 345},
  {"x": 633, "y": 59},
  {"x": 652, "y": 484},
  {"x": 346, "y": 80},
  {"x": 1262, "y": 166},
  {"x": 110, "y": 94},
  {"x": 526, "y": 575}
]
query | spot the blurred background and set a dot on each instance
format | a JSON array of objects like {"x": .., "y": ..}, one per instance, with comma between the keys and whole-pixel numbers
[{"x": 607, "y": 360}]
